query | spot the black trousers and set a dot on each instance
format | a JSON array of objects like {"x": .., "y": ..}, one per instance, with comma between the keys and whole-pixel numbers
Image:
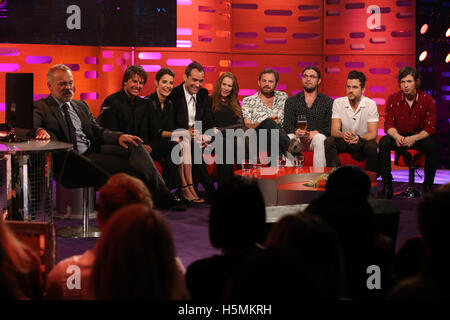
[
  {"x": 283, "y": 139},
  {"x": 367, "y": 150},
  {"x": 94, "y": 168},
  {"x": 162, "y": 149},
  {"x": 226, "y": 170},
  {"x": 428, "y": 146}
]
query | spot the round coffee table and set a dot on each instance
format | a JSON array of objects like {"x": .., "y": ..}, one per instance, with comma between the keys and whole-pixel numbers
[{"x": 286, "y": 186}]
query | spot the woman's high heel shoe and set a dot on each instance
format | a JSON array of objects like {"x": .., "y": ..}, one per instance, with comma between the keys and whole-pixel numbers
[
  {"x": 196, "y": 200},
  {"x": 186, "y": 200}
]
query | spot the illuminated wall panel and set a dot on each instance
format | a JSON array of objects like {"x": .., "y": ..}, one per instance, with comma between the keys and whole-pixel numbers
[
  {"x": 245, "y": 36},
  {"x": 287, "y": 26},
  {"x": 350, "y": 29}
]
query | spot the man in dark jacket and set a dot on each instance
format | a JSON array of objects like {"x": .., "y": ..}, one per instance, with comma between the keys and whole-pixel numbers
[
  {"x": 192, "y": 104},
  {"x": 62, "y": 118}
]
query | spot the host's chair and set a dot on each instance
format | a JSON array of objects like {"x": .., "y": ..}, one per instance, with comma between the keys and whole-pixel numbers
[
  {"x": 413, "y": 159},
  {"x": 73, "y": 170}
]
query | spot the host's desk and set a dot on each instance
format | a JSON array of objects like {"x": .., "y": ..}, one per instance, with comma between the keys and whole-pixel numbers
[{"x": 27, "y": 179}]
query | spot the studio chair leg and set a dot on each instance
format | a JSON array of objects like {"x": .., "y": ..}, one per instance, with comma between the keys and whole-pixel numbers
[
  {"x": 84, "y": 231},
  {"x": 411, "y": 192}
]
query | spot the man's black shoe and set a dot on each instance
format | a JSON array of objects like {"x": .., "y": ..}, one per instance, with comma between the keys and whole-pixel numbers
[
  {"x": 177, "y": 204},
  {"x": 387, "y": 191},
  {"x": 170, "y": 202}
]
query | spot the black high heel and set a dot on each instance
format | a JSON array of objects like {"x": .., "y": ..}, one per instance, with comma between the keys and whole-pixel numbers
[
  {"x": 196, "y": 200},
  {"x": 185, "y": 200}
]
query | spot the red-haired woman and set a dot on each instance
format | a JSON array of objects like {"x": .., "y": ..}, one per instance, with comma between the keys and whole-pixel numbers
[{"x": 227, "y": 114}]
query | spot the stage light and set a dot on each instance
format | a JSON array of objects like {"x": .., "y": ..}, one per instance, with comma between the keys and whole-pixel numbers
[
  {"x": 423, "y": 55},
  {"x": 447, "y": 58},
  {"x": 447, "y": 34},
  {"x": 424, "y": 29}
]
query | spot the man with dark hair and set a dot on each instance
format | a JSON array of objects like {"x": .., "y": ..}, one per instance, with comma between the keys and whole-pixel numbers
[
  {"x": 316, "y": 108},
  {"x": 65, "y": 119},
  {"x": 266, "y": 102},
  {"x": 265, "y": 110},
  {"x": 354, "y": 125},
  {"x": 126, "y": 111},
  {"x": 133, "y": 71},
  {"x": 192, "y": 104},
  {"x": 410, "y": 123}
]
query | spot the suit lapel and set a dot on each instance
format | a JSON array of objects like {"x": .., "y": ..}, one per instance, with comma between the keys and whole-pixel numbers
[
  {"x": 184, "y": 107},
  {"x": 58, "y": 115}
]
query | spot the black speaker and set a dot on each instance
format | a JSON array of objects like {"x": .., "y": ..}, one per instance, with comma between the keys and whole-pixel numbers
[{"x": 19, "y": 102}]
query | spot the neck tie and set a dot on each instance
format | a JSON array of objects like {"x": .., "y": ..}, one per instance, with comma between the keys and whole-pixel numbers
[{"x": 72, "y": 135}]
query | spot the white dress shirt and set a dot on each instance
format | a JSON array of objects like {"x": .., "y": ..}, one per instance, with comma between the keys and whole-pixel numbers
[
  {"x": 357, "y": 120},
  {"x": 191, "y": 100}
]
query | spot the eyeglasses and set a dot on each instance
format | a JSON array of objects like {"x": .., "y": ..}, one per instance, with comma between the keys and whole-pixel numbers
[
  {"x": 64, "y": 84},
  {"x": 306, "y": 76}
]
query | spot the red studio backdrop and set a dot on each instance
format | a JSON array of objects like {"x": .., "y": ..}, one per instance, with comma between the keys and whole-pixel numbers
[{"x": 245, "y": 36}]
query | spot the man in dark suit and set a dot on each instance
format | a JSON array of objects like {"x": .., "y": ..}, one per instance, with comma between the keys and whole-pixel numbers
[
  {"x": 60, "y": 117},
  {"x": 126, "y": 111},
  {"x": 192, "y": 104}
]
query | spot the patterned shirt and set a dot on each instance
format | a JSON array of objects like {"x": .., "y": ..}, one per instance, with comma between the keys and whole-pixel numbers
[
  {"x": 411, "y": 120},
  {"x": 256, "y": 111},
  {"x": 318, "y": 116},
  {"x": 355, "y": 121}
]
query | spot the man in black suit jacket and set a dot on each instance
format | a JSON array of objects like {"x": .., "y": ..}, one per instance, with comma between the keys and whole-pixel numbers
[
  {"x": 192, "y": 104},
  {"x": 126, "y": 111},
  {"x": 62, "y": 118}
]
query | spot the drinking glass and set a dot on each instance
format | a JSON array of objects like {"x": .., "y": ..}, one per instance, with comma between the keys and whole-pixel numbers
[
  {"x": 281, "y": 162},
  {"x": 275, "y": 115},
  {"x": 302, "y": 123},
  {"x": 298, "y": 161},
  {"x": 246, "y": 166}
]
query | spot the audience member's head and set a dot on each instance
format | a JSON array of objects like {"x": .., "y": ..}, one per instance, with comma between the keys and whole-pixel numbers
[
  {"x": 345, "y": 207},
  {"x": 433, "y": 282},
  {"x": 238, "y": 215},
  {"x": 135, "y": 257},
  {"x": 348, "y": 181},
  {"x": 434, "y": 223},
  {"x": 316, "y": 244},
  {"x": 119, "y": 191},
  {"x": 271, "y": 274}
]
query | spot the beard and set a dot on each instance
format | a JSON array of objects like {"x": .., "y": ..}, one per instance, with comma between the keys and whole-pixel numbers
[
  {"x": 310, "y": 90},
  {"x": 268, "y": 92}
]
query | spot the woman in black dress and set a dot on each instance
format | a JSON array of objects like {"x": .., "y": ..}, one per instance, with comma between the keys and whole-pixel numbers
[
  {"x": 227, "y": 114},
  {"x": 163, "y": 125}
]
